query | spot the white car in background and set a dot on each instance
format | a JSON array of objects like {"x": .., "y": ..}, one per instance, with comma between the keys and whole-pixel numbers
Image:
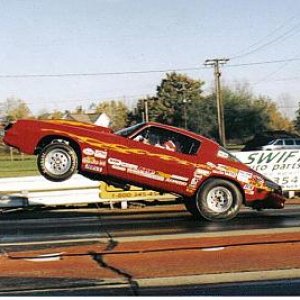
[{"x": 282, "y": 144}]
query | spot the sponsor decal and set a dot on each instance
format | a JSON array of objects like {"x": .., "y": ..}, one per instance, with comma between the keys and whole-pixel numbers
[
  {"x": 258, "y": 182},
  {"x": 194, "y": 181},
  {"x": 91, "y": 160},
  {"x": 249, "y": 187},
  {"x": 222, "y": 154},
  {"x": 119, "y": 168},
  {"x": 215, "y": 171},
  {"x": 230, "y": 174},
  {"x": 88, "y": 151},
  {"x": 146, "y": 174},
  {"x": 228, "y": 169},
  {"x": 211, "y": 165},
  {"x": 225, "y": 170},
  {"x": 100, "y": 154},
  {"x": 93, "y": 168},
  {"x": 97, "y": 153},
  {"x": 244, "y": 176},
  {"x": 201, "y": 172},
  {"x": 198, "y": 175},
  {"x": 179, "y": 178},
  {"x": 181, "y": 183},
  {"x": 117, "y": 164},
  {"x": 111, "y": 192}
]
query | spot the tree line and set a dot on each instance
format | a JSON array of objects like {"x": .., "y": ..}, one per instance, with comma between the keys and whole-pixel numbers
[{"x": 179, "y": 100}]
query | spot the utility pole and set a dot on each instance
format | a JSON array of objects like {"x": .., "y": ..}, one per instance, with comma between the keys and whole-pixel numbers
[
  {"x": 220, "y": 107},
  {"x": 181, "y": 89},
  {"x": 146, "y": 116},
  {"x": 184, "y": 101}
]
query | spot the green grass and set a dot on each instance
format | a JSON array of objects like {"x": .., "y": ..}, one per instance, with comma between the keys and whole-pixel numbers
[{"x": 20, "y": 166}]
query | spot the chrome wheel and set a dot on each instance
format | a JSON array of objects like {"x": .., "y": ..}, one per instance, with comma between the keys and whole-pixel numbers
[
  {"x": 58, "y": 162},
  {"x": 219, "y": 199}
]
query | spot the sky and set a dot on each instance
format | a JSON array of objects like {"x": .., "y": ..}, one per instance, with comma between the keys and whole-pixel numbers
[{"x": 60, "y": 54}]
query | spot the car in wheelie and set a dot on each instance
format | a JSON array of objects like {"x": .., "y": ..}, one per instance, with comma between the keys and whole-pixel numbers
[{"x": 212, "y": 182}]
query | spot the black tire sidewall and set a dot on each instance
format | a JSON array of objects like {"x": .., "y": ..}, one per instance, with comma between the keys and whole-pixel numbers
[
  {"x": 191, "y": 206},
  {"x": 209, "y": 214},
  {"x": 53, "y": 177}
]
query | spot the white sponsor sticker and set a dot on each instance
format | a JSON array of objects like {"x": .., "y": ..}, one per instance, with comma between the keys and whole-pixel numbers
[
  {"x": 178, "y": 182},
  {"x": 200, "y": 172},
  {"x": 180, "y": 178},
  {"x": 222, "y": 154},
  {"x": 118, "y": 162},
  {"x": 88, "y": 151},
  {"x": 100, "y": 154},
  {"x": 244, "y": 176}
]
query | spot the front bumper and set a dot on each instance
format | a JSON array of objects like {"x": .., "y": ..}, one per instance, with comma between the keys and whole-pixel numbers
[{"x": 272, "y": 201}]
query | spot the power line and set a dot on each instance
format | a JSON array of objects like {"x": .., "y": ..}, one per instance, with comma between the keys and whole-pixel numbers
[
  {"x": 58, "y": 75},
  {"x": 263, "y": 62},
  {"x": 275, "y": 80},
  {"x": 88, "y": 101},
  {"x": 96, "y": 73},
  {"x": 287, "y": 34},
  {"x": 285, "y": 64},
  {"x": 278, "y": 28},
  {"x": 267, "y": 81}
]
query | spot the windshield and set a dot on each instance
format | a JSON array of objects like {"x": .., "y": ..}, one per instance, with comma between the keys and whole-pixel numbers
[{"x": 129, "y": 130}]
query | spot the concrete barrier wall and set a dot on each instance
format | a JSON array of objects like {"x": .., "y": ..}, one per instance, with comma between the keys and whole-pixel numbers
[
  {"x": 39, "y": 183},
  {"x": 36, "y": 190}
]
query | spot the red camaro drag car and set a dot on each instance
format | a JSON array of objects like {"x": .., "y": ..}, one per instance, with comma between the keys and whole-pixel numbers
[{"x": 211, "y": 181}]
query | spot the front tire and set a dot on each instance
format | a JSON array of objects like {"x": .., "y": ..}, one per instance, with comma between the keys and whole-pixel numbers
[
  {"x": 57, "y": 162},
  {"x": 216, "y": 200},
  {"x": 219, "y": 199},
  {"x": 191, "y": 206}
]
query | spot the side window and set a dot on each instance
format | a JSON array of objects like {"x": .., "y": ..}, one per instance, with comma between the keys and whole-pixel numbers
[
  {"x": 297, "y": 142},
  {"x": 289, "y": 142},
  {"x": 168, "y": 140},
  {"x": 189, "y": 145},
  {"x": 278, "y": 143}
]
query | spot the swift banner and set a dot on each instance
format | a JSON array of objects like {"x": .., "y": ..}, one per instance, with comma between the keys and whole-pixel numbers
[{"x": 282, "y": 166}]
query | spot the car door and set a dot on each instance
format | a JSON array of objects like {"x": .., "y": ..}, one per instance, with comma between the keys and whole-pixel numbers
[{"x": 159, "y": 166}]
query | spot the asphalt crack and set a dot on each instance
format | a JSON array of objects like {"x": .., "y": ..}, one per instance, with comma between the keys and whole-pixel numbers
[{"x": 97, "y": 257}]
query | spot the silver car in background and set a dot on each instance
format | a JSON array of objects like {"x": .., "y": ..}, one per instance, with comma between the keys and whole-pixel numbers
[{"x": 282, "y": 143}]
